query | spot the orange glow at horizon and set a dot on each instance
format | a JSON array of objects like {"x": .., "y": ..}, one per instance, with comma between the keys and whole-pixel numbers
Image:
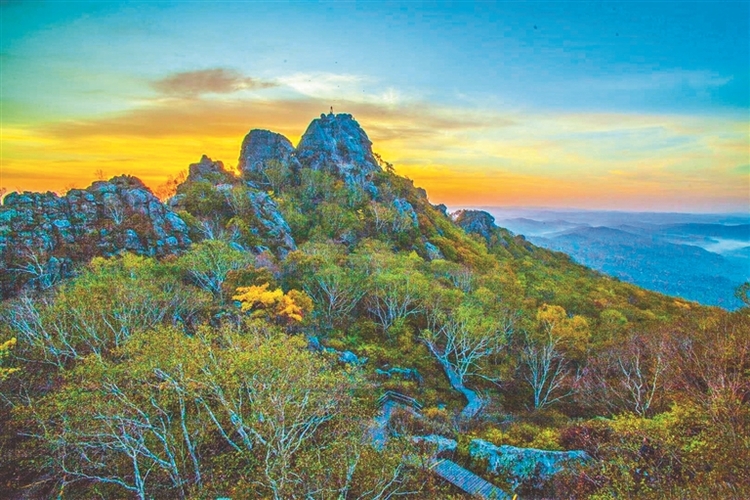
[{"x": 478, "y": 166}]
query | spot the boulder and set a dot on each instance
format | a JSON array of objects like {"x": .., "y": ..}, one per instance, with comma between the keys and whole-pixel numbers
[
  {"x": 524, "y": 467},
  {"x": 433, "y": 252},
  {"x": 439, "y": 444}
]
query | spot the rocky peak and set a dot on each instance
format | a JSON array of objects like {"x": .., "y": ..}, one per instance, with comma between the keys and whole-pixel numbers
[
  {"x": 338, "y": 145},
  {"x": 262, "y": 147},
  {"x": 476, "y": 221},
  {"x": 208, "y": 170},
  {"x": 42, "y": 235}
]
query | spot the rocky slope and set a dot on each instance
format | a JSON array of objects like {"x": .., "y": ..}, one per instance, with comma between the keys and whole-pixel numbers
[{"x": 42, "y": 235}]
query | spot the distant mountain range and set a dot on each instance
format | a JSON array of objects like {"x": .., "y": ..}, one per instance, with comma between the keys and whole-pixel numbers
[{"x": 700, "y": 257}]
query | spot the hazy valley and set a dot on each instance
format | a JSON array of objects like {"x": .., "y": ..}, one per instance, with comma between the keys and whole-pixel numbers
[{"x": 700, "y": 257}]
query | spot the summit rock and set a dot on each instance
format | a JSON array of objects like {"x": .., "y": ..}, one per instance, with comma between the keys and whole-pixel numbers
[
  {"x": 337, "y": 144},
  {"x": 262, "y": 149},
  {"x": 207, "y": 170}
]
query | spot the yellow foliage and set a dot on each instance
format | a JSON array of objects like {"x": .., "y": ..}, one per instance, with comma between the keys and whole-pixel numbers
[
  {"x": 4, "y": 351},
  {"x": 291, "y": 306}
]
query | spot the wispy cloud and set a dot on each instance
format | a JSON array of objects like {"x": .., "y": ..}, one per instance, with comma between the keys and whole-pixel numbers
[
  {"x": 464, "y": 156},
  {"x": 208, "y": 81}
]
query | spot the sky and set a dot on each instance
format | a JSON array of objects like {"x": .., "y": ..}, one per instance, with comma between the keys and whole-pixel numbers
[{"x": 636, "y": 106}]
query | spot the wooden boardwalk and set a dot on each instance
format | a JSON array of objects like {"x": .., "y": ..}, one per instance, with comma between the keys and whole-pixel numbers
[
  {"x": 461, "y": 478},
  {"x": 467, "y": 481}
]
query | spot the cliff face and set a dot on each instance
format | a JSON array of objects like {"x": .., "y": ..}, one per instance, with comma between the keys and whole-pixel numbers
[{"x": 43, "y": 235}]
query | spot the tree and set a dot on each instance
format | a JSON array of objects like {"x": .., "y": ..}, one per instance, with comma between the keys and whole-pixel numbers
[
  {"x": 165, "y": 419},
  {"x": 5, "y": 349},
  {"x": 464, "y": 338},
  {"x": 209, "y": 262},
  {"x": 100, "y": 309},
  {"x": 336, "y": 292},
  {"x": 546, "y": 354},
  {"x": 397, "y": 286},
  {"x": 627, "y": 376},
  {"x": 290, "y": 306}
]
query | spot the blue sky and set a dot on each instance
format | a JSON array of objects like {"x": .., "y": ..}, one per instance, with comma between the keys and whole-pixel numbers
[{"x": 620, "y": 105}]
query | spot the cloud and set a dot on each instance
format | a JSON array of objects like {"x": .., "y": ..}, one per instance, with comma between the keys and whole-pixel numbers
[
  {"x": 460, "y": 155},
  {"x": 208, "y": 81},
  {"x": 190, "y": 117}
]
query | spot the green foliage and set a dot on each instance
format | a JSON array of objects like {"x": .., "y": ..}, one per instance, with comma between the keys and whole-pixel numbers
[
  {"x": 525, "y": 435},
  {"x": 168, "y": 417},
  {"x": 209, "y": 262},
  {"x": 202, "y": 199},
  {"x": 101, "y": 309}
]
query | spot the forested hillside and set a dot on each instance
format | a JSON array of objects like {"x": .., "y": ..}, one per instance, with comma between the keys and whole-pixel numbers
[{"x": 314, "y": 327}]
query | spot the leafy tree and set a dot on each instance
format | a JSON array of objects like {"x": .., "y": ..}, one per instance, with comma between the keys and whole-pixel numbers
[
  {"x": 209, "y": 262},
  {"x": 100, "y": 309},
  {"x": 5, "y": 348},
  {"x": 546, "y": 354},
  {"x": 397, "y": 286},
  {"x": 173, "y": 411},
  {"x": 290, "y": 306}
]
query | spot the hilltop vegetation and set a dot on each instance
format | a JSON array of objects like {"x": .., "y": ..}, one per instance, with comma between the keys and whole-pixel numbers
[{"x": 245, "y": 358}]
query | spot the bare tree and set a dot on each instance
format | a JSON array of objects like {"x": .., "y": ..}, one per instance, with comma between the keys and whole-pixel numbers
[
  {"x": 335, "y": 291},
  {"x": 546, "y": 370},
  {"x": 39, "y": 266}
]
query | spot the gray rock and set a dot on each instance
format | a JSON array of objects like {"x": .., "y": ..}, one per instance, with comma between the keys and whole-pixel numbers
[
  {"x": 527, "y": 467},
  {"x": 276, "y": 231},
  {"x": 405, "y": 211},
  {"x": 406, "y": 373},
  {"x": 433, "y": 252},
  {"x": 260, "y": 149},
  {"x": 349, "y": 358},
  {"x": 102, "y": 220},
  {"x": 337, "y": 144},
  {"x": 208, "y": 170},
  {"x": 476, "y": 221}
]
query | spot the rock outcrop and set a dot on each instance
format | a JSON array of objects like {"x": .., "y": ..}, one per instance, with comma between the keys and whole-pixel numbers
[
  {"x": 337, "y": 144},
  {"x": 209, "y": 171},
  {"x": 42, "y": 235},
  {"x": 214, "y": 196},
  {"x": 272, "y": 228},
  {"x": 526, "y": 468},
  {"x": 262, "y": 149},
  {"x": 477, "y": 222}
]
